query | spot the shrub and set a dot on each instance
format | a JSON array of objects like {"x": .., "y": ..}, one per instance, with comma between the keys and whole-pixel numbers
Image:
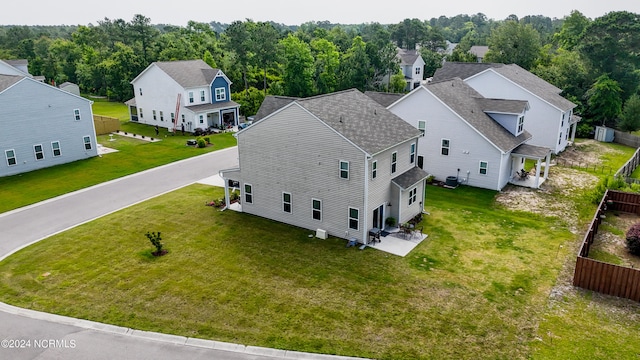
[
  {"x": 390, "y": 221},
  {"x": 155, "y": 239},
  {"x": 201, "y": 143},
  {"x": 207, "y": 139},
  {"x": 633, "y": 239}
]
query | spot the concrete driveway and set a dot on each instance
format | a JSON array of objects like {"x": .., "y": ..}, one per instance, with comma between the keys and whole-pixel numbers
[{"x": 27, "y": 334}]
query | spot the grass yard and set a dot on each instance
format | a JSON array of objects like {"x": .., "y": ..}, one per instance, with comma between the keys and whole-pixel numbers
[
  {"x": 132, "y": 156},
  {"x": 104, "y": 107},
  {"x": 477, "y": 285}
]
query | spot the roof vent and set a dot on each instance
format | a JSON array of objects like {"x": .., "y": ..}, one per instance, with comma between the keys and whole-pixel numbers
[
  {"x": 341, "y": 118},
  {"x": 375, "y": 111}
]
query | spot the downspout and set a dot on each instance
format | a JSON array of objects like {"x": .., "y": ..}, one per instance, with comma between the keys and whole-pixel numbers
[
  {"x": 226, "y": 192},
  {"x": 365, "y": 227}
]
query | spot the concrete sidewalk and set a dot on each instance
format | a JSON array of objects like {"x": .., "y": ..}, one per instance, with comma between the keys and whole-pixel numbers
[{"x": 27, "y": 334}]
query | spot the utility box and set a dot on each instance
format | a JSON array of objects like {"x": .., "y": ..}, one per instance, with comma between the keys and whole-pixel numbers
[{"x": 321, "y": 234}]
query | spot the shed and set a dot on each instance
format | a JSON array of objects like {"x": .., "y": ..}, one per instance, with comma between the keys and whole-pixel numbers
[{"x": 604, "y": 134}]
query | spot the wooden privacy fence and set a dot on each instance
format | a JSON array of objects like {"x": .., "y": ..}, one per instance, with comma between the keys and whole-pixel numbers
[
  {"x": 626, "y": 139},
  {"x": 603, "y": 277},
  {"x": 105, "y": 124},
  {"x": 627, "y": 169}
]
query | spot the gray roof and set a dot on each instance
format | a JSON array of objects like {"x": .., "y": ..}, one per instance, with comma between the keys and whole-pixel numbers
[
  {"x": 468, "y": 104},
  {"x": 532, "y": 151},
  {"x": 503, "y": 106},
  {"x": 410, "y": 177},
  {"x": 272, "y": 103},
  {"x": 215, "y": 106},
  {"x": 189, "y": 73},
  {"x": 407, "y": 57},
  {"x": 360, "y": 119},
  {"x": 17, "y": 62},
  {"x": 131, "y": 102},
  {"x": 479, "y": 50},
  {"x": 383, "y": 98},
  {"x": 513, "y": 72},
  {"x": 7, "y": 80}
]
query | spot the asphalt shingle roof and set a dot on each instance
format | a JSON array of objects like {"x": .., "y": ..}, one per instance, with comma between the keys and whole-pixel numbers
[
  {"x": 214, "y": 106},
  {"x": 407, "y": 57},
  {"x": 189, "y": 73},
  {"x": 410, "y": 178},
  {"x": 513, "y": 72},
  {"x": 357, "y": 117},
  {"x": 383, "y": 98},
  {"x": 503, "y": 106},
  {"x": 272, "y": 103},
  {"x": 532, "y": 151},
  {"x": 7, "y": 80},
  {"x": 468, "y": 104}
]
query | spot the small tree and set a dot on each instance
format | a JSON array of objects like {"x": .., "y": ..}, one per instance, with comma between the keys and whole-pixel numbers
[
  {"x": 630, "y": 117},
  {"x": 633, "y": 239},
  {"x": 155, "y": 239}
]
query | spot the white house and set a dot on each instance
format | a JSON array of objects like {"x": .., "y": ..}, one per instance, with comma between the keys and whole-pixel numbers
[
  {"x": 550, "y": 119},
  {"x": 42, "y": 126},
  {"x": 476, "y": 141},
  {"x": 199, "y": 94},
  {"x": 339, "y": 162},
  {"x": 412, "y": 66}
]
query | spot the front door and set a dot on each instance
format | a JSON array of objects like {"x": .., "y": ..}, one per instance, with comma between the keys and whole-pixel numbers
[{"x": 378, "y": 217}]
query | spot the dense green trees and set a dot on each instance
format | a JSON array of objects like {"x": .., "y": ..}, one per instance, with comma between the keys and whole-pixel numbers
[{"x": 588, "y": 59}]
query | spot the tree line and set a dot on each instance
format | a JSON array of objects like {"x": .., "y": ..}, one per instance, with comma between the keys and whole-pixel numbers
[{"x": 595, "y": 62}]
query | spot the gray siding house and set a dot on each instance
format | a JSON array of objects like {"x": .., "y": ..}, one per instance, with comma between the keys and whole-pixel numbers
[
  {"x": 340, "y": 162},
  {"x": 42, "y": 126}
]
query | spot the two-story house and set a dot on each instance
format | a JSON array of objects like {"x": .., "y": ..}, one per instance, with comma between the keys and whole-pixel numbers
[
  {"x": 412, "y": 66},
  {"x": 42, "y": 125},
  {"x": 339, "y": 162},
  {"x": 550, "y": 119},
  {"x": 476, "y": 141},
  {"x": 177, "y": 94}
]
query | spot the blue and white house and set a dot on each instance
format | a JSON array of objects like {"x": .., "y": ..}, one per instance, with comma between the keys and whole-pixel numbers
[
  {"x": 42, "y": 125},
  {"x": 187, "y": 93}
]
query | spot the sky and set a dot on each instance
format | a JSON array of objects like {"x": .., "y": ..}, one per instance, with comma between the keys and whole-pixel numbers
[{"x": 83, "y": 12}]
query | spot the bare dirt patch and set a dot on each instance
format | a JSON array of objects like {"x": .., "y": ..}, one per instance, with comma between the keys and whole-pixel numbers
[
  {"x": 613, "y": 242},
  {"x": 584, "y": 154}
]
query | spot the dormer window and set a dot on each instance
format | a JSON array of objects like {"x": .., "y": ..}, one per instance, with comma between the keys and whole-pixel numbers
[
  {"x": 221, "y": 94},
  {"x": 520, "y": 125}
]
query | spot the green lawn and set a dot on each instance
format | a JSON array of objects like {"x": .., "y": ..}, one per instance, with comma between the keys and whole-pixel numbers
[
  {"x": 132, "y": 156},
  {"x": 105, "y": 107}
]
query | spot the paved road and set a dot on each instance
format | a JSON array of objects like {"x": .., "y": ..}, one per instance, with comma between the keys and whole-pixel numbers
[{"x": 46, "y": 336}]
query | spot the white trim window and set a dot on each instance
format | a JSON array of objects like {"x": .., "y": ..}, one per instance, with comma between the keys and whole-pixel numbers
[
  {"x": 560, "y": 138},
  {"x": 140, "y": 91},
  {"x": 173, "y": 118},
  {"x": 202, "y": 95},
  {"x": 354, "y": 218},
  {"x": 154, "y": 115},
  {"x": 55, "y": 148},
  {"x": 140, "y": 112},
  {"x": 11, "y": 157},
  {"x": 445, "y": 144},
  {"x": 484, "y": 168},
  {"x": 248, "y": 194},
  {"x": 413, "y": 195},
  {"x": 344, "y": 169},
  {"x": 38, "y": 151},
  {"x": 412, "y": 153},
  {"x": 374, "y": 169},
  {"x": 394, "y": 162},
  {"x": 191, "y": 97},
  {"x": 422, "y": 126},
  {"x": 316, "y": 209},
  {"x": 76, "y": 114},
  {"x": 221, "y": 94},
  {"x": 87, "y": 142},
  {"x": 161, "y": 116},
  {"x": 286, "y": 202},
  {"x": 418, "y": 70},
  {"x": 201, "y": 119},
  {"x": 520, "y": 125}
]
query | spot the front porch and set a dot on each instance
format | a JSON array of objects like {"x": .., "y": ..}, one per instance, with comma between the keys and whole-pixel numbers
[
  {"x": 216, "y": 116},
  {"x": 519, "y": 176}
]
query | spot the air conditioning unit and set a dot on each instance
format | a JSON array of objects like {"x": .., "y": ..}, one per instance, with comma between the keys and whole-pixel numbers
[{"x": 321, "y": 234}]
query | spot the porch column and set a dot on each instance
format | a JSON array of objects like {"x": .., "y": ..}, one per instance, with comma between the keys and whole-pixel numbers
[
  {"x": 537, "y": 182},
  {"x": 226, "y": 194},
  {"x": 548, "y": 165},
  {"x": 573, "y": 131}
]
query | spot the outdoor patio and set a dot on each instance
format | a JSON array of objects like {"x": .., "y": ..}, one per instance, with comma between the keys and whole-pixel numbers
[{"x": 397, "y": 243}]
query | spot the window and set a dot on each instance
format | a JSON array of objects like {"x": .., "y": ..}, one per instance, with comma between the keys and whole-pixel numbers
[
  {"x": 354, "y": 218},
  {"x": 316, "y": 209},
  {"x": 412, "y": 154},
  {"x": 484, "y": 166},
  {"x": 11, "y": 157},
  {"x": 201, "y": 119},
  {"x": 248, "y": 194},
  {"x": 422, "y": 126},
  {"x": 566, "y": 136},
  {"x": 520, "y": 124},
  {"x": 445, "y": 147},
  {"x": 37, "y": 149},
  {"x": 140, "y": 111},
  {"x": 374, "y": 169},
  {"x": 560, "y": 138},
  {"x": 190, "y": 97},
  {"x": 221, "y": 94},
  {"x": 182, "y": 117},
  {"x": 344, "y": 169},
  {"x": 55, "y": 147},
  {"x": 161, "y": 116},
  {"x": 87, "y": 143},
  {"x": 154, "y": 115},
  {"x": 417, "y": 71},
  {"x": 394, "y": 159},
  {"x": 201, "y": 95},
  {"x": 286, "y": 202},
  {"x": 413, "y": 195},
  {"x": 76, "y": 114},
  {"x": 140, "y": 91}
]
